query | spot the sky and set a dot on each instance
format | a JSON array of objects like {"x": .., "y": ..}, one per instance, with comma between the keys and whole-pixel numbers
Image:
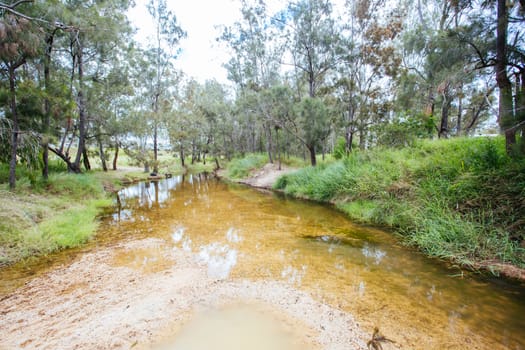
[{"x": 202, "y": 57}]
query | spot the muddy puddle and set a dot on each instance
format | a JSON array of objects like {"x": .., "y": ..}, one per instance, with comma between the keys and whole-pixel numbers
[{"x": 238, "y": 233}]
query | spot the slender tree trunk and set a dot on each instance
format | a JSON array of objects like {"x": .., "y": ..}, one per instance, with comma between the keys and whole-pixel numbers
[
  {"x": 362, "y": 138},
  {"x": 101, "y": 154},
  {"x": 349, "y": 134},
  {"x": 15, "y": 127},
  {"x": 460, "y": 112},
  {"x": 313, "y": 159},
  {"x": 47, "y": 107},
  {"x": 181, "y": 152},
  {"x": 443, "y": 128},
  {"x": 81, "y": 108},
  {"x": 278, "y": 147},
  {"x": 506, "y": 117},
  {"x": 115, "y": 156},
  {"x": 85, "y": 159},
  {"x": 155, "y": 145},
  {"x": 193, "y": 151},
  {"x": 269, "y": 145}
]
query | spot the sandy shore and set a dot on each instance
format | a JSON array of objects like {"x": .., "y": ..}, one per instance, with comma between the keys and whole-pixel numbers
[{"x": 102, "y": 301}]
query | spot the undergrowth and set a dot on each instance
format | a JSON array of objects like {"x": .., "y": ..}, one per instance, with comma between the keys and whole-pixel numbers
[
  {"x": 239, "y": 168},
  {"x": 44, "y": 216},
  {"x": 461, "y": 199}
]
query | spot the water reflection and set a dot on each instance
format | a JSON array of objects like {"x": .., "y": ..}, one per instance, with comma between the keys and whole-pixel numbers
[
  {"x": 240, "y": 233},
  {"x": 219, "y": 258},
  {"x": 373, "y": 252}
]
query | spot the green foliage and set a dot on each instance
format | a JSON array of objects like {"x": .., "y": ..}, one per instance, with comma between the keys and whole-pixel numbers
[
  {"x": 240, "y": 168},
  {"x": 340, "y": 148},
  {"x": 459, "y": 198},
  {"x": 44, "y": 216},
  {"x": 405, "y": 130},
  {"x": 313, "y": 119},
  {"x": 75, "y": 228}
]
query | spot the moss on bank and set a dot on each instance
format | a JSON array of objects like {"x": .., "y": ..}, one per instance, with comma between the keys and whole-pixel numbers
[{"x": 460, "y": 199}]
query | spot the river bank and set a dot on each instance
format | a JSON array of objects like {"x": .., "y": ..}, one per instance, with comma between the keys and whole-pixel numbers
[
  {"x": 42, "y": 217},
  {"x": 459, "y": 200},
  {"x": 191, "y": 256}
]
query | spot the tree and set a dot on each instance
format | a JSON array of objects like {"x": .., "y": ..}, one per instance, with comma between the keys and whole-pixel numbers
[
  {"x": 313, "y": 121},
  {"x": 168, "y": 33},
  {"x": 20, "y": 42},
  {"x": 314, "y": 41}
]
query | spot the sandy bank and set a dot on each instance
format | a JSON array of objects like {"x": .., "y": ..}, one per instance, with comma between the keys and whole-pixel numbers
[{"x": 102, "y": 301}]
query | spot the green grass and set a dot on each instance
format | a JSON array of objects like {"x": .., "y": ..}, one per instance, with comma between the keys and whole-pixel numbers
[
  {"x": 239, "y": 168},
  {"x": 461, "y": 199},
  {"x": 44, "y": 216}
]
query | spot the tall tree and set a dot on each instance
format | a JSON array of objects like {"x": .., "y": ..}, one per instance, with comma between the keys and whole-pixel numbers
[
  {"x": 20, "y": 38},
  {"x": 168, "y": 34}
]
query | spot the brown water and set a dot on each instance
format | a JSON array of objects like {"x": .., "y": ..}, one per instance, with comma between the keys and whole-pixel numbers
[{"x": 242, "y": 233}]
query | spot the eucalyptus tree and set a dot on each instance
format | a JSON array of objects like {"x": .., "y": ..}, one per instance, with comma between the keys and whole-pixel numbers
[
  {"x": 164, "y": 49},
  {"x": 94, "y": 32},
  {"x": 255, "y": 64},
  {"x": 441, "y": 70},
  {"x": 368, "y": 63},
  {"x": 314, "y": 41},
  {"x": 510, "y": 60},
  {"x": 219, "y": 129}
]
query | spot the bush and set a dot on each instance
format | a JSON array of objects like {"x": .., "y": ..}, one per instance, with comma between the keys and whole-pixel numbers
[{"x": 240, "y": 168}]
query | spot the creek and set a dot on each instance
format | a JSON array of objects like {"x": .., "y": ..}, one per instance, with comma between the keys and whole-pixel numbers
[{"x": 241, "y": 233}]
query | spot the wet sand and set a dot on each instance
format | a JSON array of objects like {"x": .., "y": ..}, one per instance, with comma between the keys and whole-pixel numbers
[{"x": 102, "y": 301}]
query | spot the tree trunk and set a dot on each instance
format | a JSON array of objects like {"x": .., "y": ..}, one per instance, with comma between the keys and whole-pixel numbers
[
  {"x": 155, "y": 146},
  {"x": 278, "y": 147},
  {"x": 101, "y": 154},
  {"x": 269, "y": 145},
  {"x": 506, "y": 115},
  {"x": 313, "y": 159},
  {"x": 447, "y": 101},
  {"x": 181, "y": 152},
  {"x": 349, "y": 134},
  {"x": 70, "y": 166},
  {"x": 115, "y": 157},
  {"x": 81, "y": 107},
  {"x": 85, "y": 159},
  {"x": 362, "y": 137},
  {"x": 15, "y": 130},
  {"x": 47, "y": 107},
  {"x": 460, "y": 112}
]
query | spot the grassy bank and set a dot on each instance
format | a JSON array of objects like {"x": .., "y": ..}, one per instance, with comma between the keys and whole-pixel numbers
[
  {"x": 459, "y": 199},
  {"x": 42, "y": 217}
]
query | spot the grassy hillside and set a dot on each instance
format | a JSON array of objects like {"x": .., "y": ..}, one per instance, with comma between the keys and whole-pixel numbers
[{"x": 461, "y": 199}]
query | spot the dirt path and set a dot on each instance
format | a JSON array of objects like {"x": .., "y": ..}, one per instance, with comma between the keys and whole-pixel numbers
[
  {"x": 109, "y": 300},
  {"x": 266, "y": 176}
]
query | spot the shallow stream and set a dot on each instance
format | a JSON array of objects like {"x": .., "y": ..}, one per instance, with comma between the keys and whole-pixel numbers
[{"x": 242, "y": 233}]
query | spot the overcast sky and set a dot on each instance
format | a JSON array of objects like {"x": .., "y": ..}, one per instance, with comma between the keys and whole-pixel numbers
[{"x": 201, "y": 57}]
